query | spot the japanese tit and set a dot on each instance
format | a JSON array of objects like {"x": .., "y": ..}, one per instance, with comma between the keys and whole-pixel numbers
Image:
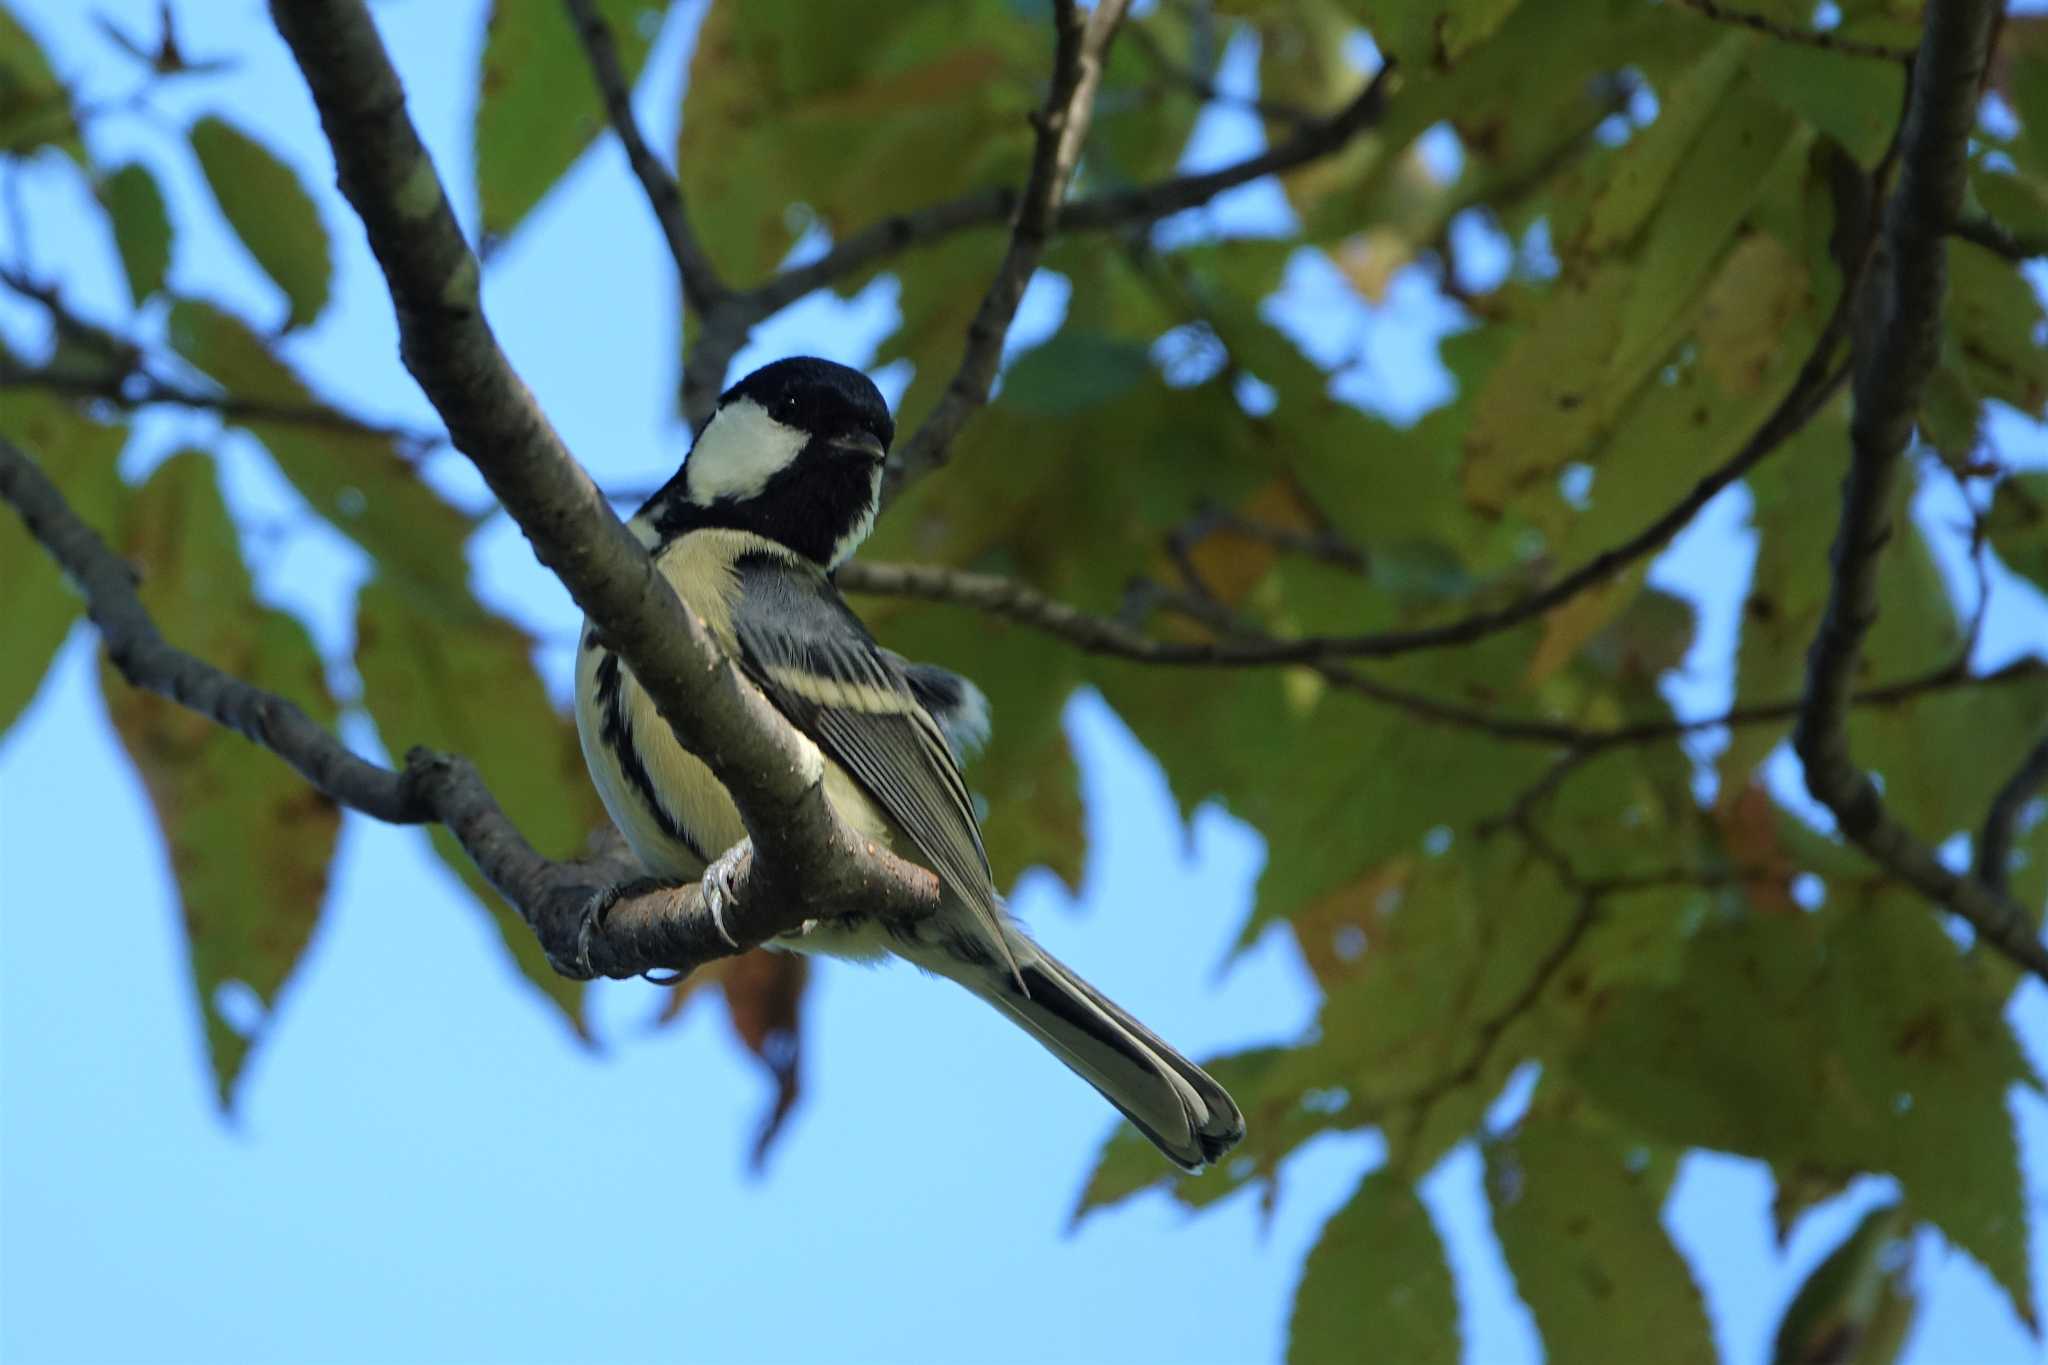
[{"x": 781, "y": 487}]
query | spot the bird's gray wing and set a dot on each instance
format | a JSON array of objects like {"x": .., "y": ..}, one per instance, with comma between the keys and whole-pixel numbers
[{"x": 804, "y": 647}]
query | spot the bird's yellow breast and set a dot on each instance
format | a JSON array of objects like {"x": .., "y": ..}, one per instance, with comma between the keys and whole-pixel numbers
[{"x": 671, "y": 809}]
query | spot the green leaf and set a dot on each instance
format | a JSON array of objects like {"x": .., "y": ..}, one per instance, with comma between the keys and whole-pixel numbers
[
  {"x": 856, "y": 112},
  {"x": 1996, "y": 320},
  {"x": 1854, "y": 100},
  {"x": 1578, "y": 1222},
  {"x": 425, "y": 664},
  {"x": 250, "y": 841},
  {"x": 1072, "y": 372},
  {"x": 1853, "y": 1039},
  {"x": 537, "y": 105},
  {"x": 264, "y": 202},
  {"x": 354, "y": 478},
  {"x": 1376, "y": 1286},
  {"x": 2018, "y": 526},
  {"x": 78, "y": 455},
  {"x": 142, "y": 227},
  {"x": 1857, "y": 1305},
  {"x": 35, "y": 108}
]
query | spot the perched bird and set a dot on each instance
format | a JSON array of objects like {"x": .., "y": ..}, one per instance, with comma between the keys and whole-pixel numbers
[{"x": 782, "y": 485}]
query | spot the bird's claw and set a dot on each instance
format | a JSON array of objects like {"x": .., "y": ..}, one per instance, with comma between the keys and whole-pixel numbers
[
  {"x": 718, "y": 886},
  {"x": 588, "y": 923}
]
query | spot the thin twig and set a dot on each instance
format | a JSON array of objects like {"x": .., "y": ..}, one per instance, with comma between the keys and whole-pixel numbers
[
  {"x": 1091, "y": 633},
  {"x": 1848, "y": 47},
  {"x": 1114, "y": 210},
  {"x": 702, "y": 288},
  {"x": 1203, "y": 88},
  {"x": 1995, "y": 237},
  {"x": 1891, "y": 381},
  {"x": 140, "y": 389},
  {"x": 1081, "y": 48},
  {"x": 1994, "y": 844}
]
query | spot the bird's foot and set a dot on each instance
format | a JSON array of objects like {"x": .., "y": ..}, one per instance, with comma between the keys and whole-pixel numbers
[
  {"x": 719, "y": 893},
  {"x": 589, "y": 923}
]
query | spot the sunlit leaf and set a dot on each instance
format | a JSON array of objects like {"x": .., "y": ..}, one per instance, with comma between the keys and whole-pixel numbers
[
  {"x": 264, "y": 202},
  {"x": 249, "y": 840},
  {"x": 1375, "y": 1286},
  {"x": 537, "y": 104}
]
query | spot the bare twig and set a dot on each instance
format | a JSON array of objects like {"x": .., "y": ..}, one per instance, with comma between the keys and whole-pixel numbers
[
  {"x": 702, "y": 288},
  {"x": 807, "y": 856},
  {"x": 140, "y": 389},
  {"x": 1017, "y": 602},
  {"x": 1848, "y": 47},
  {"x": 1994, "y": 843},
  {"x": 1082, "y": 46},
  {"x": 1891, "y": 380},
  {"x": 1198, "y": 84}
]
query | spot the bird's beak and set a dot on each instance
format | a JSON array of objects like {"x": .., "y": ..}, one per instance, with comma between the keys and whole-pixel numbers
[{"x": 862, "y": 443}]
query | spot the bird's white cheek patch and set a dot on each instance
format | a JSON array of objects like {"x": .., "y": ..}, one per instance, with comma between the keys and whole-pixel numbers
[{"x": 741, "y": 449}]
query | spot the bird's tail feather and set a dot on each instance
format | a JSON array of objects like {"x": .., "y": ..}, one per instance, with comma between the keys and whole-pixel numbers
[{"x": 1166, "y": 1097}]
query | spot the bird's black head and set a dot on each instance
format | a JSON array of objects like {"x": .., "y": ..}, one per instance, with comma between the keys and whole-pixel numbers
[{"x": 794, "y": 453}]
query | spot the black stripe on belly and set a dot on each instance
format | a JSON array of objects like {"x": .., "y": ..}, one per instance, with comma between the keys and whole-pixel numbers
[{"x": 617, "y": 735}]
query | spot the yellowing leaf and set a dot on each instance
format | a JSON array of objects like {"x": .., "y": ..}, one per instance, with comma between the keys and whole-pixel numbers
[
  {"x": 537, "y": 105},
  {"x": 269, "y": 209},
  {"x": 249, "y": 840}
]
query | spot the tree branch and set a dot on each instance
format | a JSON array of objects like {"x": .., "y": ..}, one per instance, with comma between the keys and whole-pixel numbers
[
  {"x": 1996, "y": 237},
  {"x": 141, "y": 389},
  {"x": 1119, "y": 210},
  {"x": 1010, "y": 600},
  {"x": 1082, "y": 46},
  {"x": 1005, "y": 598},
  {"x": 809, "y": 860},
  {"x": 1994, "y": 844},
  {"x": 702, "y": 288},
  {"x": 1891, "y": 379},
  {"x": 1785, "y": 33},
  {"x": 655, "y": 927}
]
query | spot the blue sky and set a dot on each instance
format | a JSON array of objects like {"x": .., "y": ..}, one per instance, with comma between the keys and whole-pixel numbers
[{"x": 425, "y": 1165}]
